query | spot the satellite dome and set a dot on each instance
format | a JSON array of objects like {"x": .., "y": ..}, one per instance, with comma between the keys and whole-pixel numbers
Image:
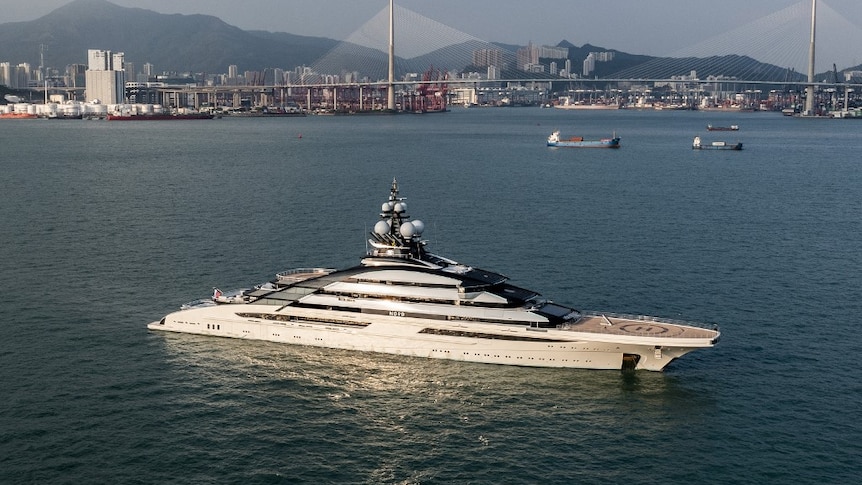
[
  {"x": 408, "y": 230},
  {"x": 385, "y": 207},
  {"x": 419, "y": 226},
  {"x": 382, "y": 227},
  {"x": 400, "y": 207}
]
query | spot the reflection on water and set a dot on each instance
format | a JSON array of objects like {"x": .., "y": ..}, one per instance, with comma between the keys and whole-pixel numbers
[{"x": 443, "y": 411}]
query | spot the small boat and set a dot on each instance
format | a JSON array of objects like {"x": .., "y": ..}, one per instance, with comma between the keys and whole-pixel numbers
[
  {"x": 722, "y": 128},
  {"x": 716, "y": 145},
  {"x": 579, "y": 142}
]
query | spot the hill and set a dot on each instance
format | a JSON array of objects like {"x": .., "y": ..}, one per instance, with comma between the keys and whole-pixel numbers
[{"x": 183, "y": 43}]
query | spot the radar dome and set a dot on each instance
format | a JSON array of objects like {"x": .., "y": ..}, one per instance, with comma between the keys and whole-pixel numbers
[
  {"x": 419, "y": 225},
  {"x": 382, "y": 227},
  {"x": 385, "y": 207},
  {"x": 400, "y": 207},
  {"x": 408, "y": 230}
]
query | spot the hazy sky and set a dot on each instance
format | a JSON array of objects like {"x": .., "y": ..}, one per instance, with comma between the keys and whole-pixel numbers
[{"x": 652, "y": 27}]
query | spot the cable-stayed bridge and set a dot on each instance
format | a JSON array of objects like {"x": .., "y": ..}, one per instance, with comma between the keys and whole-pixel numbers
[
  {"x": 771, "y": 49},
  {"x": 435, "y": 65}
]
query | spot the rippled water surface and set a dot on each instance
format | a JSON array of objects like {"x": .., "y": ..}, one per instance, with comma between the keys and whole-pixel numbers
[{"x": 106, "y": 226}]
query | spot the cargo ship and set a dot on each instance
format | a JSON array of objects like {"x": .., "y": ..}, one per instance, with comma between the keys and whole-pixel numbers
[
  {"x": 160, "y": 117},
  {"x": 17, "y": 116},
  {"x": 698, "y": 144},
  {"x": 578, "y": 142}
]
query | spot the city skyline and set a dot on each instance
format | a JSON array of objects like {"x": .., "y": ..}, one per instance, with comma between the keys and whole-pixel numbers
[{"x": 631, "y": 26}]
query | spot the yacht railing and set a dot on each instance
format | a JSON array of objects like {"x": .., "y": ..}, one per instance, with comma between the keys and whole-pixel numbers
[
  {"x": 199, "y": 303},
  {"x": 607, "y": 316},
  {"x": 300, "y": 274}
]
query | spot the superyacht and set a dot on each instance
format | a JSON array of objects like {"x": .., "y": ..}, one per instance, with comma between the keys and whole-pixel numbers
[{"x": 403, "y": 299}]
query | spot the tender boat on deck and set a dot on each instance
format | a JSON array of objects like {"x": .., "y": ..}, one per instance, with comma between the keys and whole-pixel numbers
[{"x": 403, "y": 299}]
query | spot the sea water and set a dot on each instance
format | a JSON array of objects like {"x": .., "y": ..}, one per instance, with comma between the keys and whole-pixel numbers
[{"x": 107, "y": 226}]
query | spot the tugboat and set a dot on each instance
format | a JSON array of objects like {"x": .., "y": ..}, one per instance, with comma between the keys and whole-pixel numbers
[{"x": 403, "y": 299}]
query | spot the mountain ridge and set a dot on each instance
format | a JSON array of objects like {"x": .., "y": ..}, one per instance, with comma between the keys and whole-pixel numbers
[
  {"x": 206, "y": 44},
  {"x": 171, "y": 42}
]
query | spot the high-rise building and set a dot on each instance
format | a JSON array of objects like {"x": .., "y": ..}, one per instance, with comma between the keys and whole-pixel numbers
[
  {"x": 552, "y": 52},
  {"x": 527, "y": 56},
  {"x": 76, "y": 75},
  {"x": 493, "y": 73},
  {"x": 105, "y": 77},
  {"x": 589, "y": 64},
  {"x": 118, "y": 61},
  {"x": 130, "y": 73},
  {"x": 149, "y": 70},
  {"x": 593, "y": 58},
  {"x": 5, "y": 74},
  {"x": 21, "y": 75},
  {"x": 98, "y": 60},
  {"x": 278, "y": 75},
  {"x": 488, "y": 57}
]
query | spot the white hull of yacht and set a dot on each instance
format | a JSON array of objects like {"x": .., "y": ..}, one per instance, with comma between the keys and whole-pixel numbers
[
  {"x": 402, "y": 299},
  {"x": 417, "y": 337}
]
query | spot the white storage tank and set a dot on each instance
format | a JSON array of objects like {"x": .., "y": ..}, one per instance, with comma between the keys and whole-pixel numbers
[
  {"x": 49, "y": 109},
  {"x": 96, "y": 109},
  {"x": 71, "y": 110}
]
